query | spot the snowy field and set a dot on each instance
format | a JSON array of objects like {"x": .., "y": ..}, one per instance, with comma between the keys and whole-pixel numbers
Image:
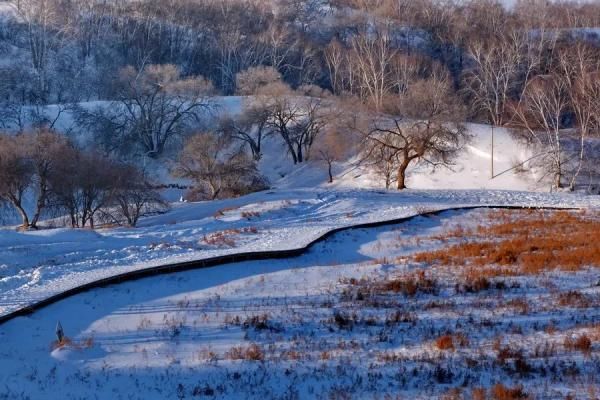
[
  {"x": 37, "y": 265},
  {"x": 340, "y": 322}
]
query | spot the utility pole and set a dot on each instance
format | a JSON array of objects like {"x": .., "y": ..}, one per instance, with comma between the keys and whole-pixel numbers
[{"x": 492, "y": 158}]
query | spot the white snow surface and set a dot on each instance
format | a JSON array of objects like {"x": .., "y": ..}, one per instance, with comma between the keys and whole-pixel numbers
[
  {"x": 173, "y": 336},
  {"x": 37, "y": 265}
]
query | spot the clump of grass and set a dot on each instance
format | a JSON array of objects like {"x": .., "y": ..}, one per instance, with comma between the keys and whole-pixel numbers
[
  {"x": 411, "y": 285},
  {"x": 445, "y": 342},
  {"x": 226, "y": 238},
  {"x": 67, "y": 342},
  {"x": 474, "y": 282},
  {"x": 250, "y": 214},
  {"x": 222, "y": 211},
  {"x": 451, "y": 342},
  {"x": 252, "y": 352},
  {"x": 64, "y": 342},
  {"x": 573, "y": 298},
  {"x": 520, "y": 305},
  {"x": 502, "y": 392},
  {"x": 580, "y": 343}
]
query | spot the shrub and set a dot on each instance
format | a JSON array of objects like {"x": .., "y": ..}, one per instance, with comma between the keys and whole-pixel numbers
[
  {"x": 252, "y": 353},
  {"x": 411, "y": 285},
  {"x": 573, "y": 298},
  {"x": 445, "y": 342},
  {"x": 501, "y": 392},
  {"x": 581, "y": 343},
  {"x": 473, "y": 283}
]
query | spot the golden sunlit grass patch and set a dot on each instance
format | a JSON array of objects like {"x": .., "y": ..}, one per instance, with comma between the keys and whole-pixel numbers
[{"x": 523, "y": 242}]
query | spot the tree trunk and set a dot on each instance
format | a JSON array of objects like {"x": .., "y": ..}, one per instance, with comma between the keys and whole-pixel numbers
[
  {"x": 40, "y": 204},
  {"x": 401, "y": 179},
  {"x": 580, "y": 165},
  {"x": 300, "y": 157},
  {"x": 330, "y": 173},
  {"x": 24, "y": 217},
  {"x": 292, "y": 152},
  {"x": 402, "y": 174}
]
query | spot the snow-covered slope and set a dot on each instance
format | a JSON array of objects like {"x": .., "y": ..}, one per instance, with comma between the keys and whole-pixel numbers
[{"x": 471, "y": 170}]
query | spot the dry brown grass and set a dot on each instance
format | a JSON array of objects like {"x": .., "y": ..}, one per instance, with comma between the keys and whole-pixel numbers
[
  {"x": 451, "y": 342},
  {"x": 411, "y": 284},
  {"x": 445, "y": 342},
  {"x": 520, "y": 305},
  {"x": 250, "y": 214},
  {"x": 226, "y": 238},
  {"x": 85, "y": 343},
  {"x": 252, "y": 353},
  {"x": 580, "y": 343},
  {"x": 501, "y": 392},
  {"x": 479, "y": 394},
  {"x": 222, "y": 211},
  {"x": 524, "y": 242},
  {"x": 574, "y": 299}
]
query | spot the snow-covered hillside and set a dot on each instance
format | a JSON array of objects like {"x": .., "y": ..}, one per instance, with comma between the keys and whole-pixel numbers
[{"x": 471, "y": 170}]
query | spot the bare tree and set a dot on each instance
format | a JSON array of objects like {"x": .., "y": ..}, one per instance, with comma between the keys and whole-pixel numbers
[
  {"x": 46, "y": 150},
  {"x": 304, "y": 13},
  {"x": 580, "y": 68},
  {"x": 372, "y": 55},
  {"x": 217, "y": 168},
  {"x": 332, "y": 147},
  {"x": 155, "y": 105},
  {"x": 431, "y": 132},
  {"x": 133, "y": 196},
  {"x": 298, "y": 122},
  {"x": 16, "y": 174},
  {"x": 41, "y": 20},
  {"x": 250, "y": 128},
  {"x": 540, "y": 115},
  {"x": 494, "y": 74},
  {"x": 250, "y": 81},
  {"x": 335, "y": 58},
  {"x": 84, "y": 184}
]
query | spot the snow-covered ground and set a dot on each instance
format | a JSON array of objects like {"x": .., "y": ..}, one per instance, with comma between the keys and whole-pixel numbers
[
  {"x": 471, "y": 169},
  {"x": 305, "y": 329},
  {"x": 36, "y": 265},
  {"x": 301, "y": 207}
]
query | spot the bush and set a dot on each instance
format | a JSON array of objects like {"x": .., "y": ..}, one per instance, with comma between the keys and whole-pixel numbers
[
  {"x": 218, "y": 169},
  {"x": 501, "y": 392},
  {"x": 581, "y": 343},
  {"x": 411, "y": 285},
  {"x": 445, "y": 342},
  {"x": 251, "y": 353}
]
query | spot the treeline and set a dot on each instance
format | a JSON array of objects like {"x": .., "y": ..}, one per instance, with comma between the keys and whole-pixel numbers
[
  {"x": 44, "y": 168},
  {"x": 73, "y": 50}
]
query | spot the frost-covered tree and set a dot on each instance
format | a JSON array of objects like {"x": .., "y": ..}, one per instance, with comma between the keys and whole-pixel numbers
[
  {"x": 430, "y": 131},
  {"x": 218, "y": 168}
]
